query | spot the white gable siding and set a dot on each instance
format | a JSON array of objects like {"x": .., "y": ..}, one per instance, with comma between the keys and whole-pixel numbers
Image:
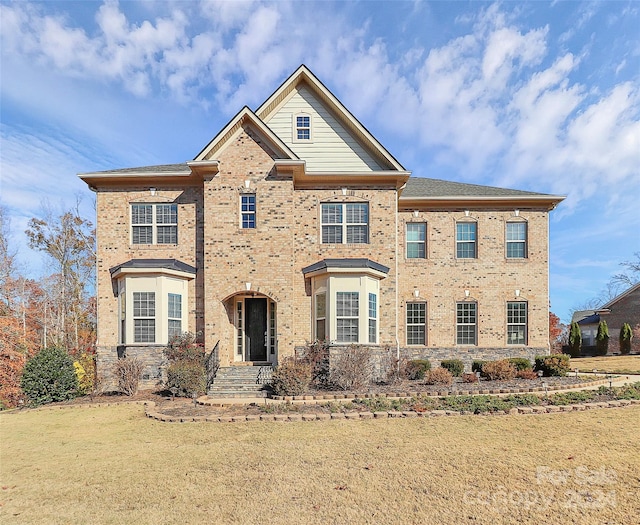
[{"x": 332, "y": 149}]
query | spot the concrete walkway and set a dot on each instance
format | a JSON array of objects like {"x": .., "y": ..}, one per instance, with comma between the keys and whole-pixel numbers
[{"x": 616, "y": 381}]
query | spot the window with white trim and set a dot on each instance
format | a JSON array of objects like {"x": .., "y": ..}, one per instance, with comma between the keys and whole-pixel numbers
[
  {"x": 466, "y": 323},
  {"x": 347, "y": 317},
  {"x": 416, "y": 323},
  {"x": 466, "y": 239},
  {"x": 248, "y": 210},
  {"x": 345, "y": 223},
  {"x": 144, "y": 317},
  {"x": 416, "y": 240},
  {"x": 517, "y": 323},
  {"x": 154, "y": 223},
  {"x": 302, "y": 130},
  {"x": 174, "y": 314},
  {"x": 516, "y": 240},
  {"x": 373, "y": 318}
]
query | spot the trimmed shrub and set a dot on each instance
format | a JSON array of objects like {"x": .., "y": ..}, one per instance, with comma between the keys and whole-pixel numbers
[
  {"x": 521, "y": 363},
  {"x": 455, "y": 366},
  {"x": 470, "y": 378},
  {"x": 501, "y": 370},
  {"x": 49, "y": 376},
  {"x": 128, "y": 371},
  {"x": 351, "y": 369},
  {"x": 187, "y": 378},
  {"x": 477, "y": 365},
  {"x": 553, "y": 365},
  {"x": 417, "y": 369},
  {"x": 184, "y": 347},
  {"x": 439, "y": 376},
  {"x": 291, "y": 377},
  {"x": 602, "y": 338},
  {"x": 575, "y": 339},
  {"x": 526, "y": 374},
  {"x": 626, "y": 335}
]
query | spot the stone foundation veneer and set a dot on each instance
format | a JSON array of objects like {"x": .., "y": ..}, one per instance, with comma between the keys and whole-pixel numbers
[{"x": 155, "y": 363}]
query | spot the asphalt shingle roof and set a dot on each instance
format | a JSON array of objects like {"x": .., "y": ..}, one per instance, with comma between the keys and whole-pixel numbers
[{"x": 423, "y": 187}]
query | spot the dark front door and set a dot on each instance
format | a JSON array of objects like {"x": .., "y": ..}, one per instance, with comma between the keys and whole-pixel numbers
[{"x": 256, "y": 329}]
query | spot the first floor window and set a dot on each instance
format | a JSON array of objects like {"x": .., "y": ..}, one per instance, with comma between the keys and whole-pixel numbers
[
  {"x": 347, "y": 317},
  {"x": 416, "y": 240},
  {"x": 517, "y": 323},
  {"x": 345, "y": 223},
  {"x": 321, "y": 316},
  {"x": 516, "y": 240},
  {"x": 466, "y": 323},
  {"x": 466, "y": 233},
  {"x": 248, "y": 205},
  {"x": 144, "y": 313},
  {"x": 373, "y": 318},
  {"x": 416, "y": 323},
  {"x": 175, "y": 315},
  {"x": 154, "y": 224}
]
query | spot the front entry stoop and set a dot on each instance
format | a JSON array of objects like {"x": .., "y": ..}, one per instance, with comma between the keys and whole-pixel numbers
[{"x": 241, "y": 381}]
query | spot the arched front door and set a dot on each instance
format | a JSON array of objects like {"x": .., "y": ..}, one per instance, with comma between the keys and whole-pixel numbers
[{"x": 255, "y": 329}]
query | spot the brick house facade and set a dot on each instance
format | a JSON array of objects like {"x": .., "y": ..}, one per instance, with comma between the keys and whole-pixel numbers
[{"x": 294, "y": 224}]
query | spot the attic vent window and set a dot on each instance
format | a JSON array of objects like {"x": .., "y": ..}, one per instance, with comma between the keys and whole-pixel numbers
[{"x": 302, "y": 128}]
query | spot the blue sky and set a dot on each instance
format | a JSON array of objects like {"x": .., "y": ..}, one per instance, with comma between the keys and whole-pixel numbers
[{"x": 539, "y": 96}]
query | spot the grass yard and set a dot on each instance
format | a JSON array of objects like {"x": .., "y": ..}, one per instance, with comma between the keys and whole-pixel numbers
[
  {"x": 112, "y": 465},
  {"x": 615, "y": 364}
]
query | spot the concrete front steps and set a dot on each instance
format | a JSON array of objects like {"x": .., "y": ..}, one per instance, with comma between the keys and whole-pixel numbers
[{"x": 245, "y": 381}]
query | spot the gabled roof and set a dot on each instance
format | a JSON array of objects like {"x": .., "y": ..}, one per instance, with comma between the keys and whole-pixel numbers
[
  {"x": 419, "y": 190},
  {"x": 243, "y": 117},
  {"x": 624, "y": 294},
  {"x": 303, "y": 75}
]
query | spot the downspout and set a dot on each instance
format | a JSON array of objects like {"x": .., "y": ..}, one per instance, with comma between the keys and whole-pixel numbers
[{"x": 397, "y": 286}]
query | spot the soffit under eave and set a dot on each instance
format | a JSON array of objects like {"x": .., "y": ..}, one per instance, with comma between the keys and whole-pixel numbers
[
  {"x": 441, "y": 203},
  {"x": 244, "y": 117},
  {"x": 136, "y": 180},
  {"x": 303, "y": 76}
]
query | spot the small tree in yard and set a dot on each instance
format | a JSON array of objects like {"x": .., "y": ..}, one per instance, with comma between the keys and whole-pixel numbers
[
  {"x": 49, "y": 376},
  {"x": 602, "y": 338},
  {"x": 626, "y": 335},
  {"x": 575, "y": 340}
]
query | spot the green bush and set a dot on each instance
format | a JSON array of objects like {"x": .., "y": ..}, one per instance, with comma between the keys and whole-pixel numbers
[
  {"x": 417, "y": 368},
  {"x": 602, "y": 338},
  {"x": 187, "y": 378},
  {"x": 439, "y": 376},
  {"x": 184, "y": 347},
  {"x": 49, "y": 376},
  {"x": 501, "y": 370},
  {"x": 291, "y": 377},
  {"x": 521, "y": 363},
  {"x": 477, "y": 365},
  {"x": 455, "y": 366},
  {"x": 553, "y": 365},
  {"x": 626, "y": 335}
]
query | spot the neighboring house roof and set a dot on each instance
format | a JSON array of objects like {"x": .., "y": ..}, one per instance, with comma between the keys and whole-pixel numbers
[
  {"x": 421, "y": 191},
  {"x": 345, "y": 264},
  {"x": 632, "y": 289}
]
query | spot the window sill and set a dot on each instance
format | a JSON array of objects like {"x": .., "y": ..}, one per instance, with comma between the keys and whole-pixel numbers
[{"x": 151, "y": 246}]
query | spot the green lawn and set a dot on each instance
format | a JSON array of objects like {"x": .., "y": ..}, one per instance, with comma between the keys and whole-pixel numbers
[{"x": 112, "y": 465}]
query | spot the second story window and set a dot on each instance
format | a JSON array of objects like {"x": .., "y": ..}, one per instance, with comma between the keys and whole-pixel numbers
[
  {"x": 466, "y": 235},
  {"x": 302, "y": 127},
  {"x": 154, "y": 223},
  {"x": 248, "y": 211},
  {"x": 344, "y": 223},
  {"x": 516, "y": 240},
  {"x": 416, "y": 240}
]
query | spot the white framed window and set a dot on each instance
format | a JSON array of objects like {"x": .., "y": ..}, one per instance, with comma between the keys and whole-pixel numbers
[
  {"x": 417, "y": 323},
  {"x": 373, "y": 318},
  {"x": 466, "y": 323},
  {"x": 347, "y": 317},
  {"x": 516, "y": 240},
  {"x": 466, "y": 240},
  {"x": 144, "y": 317},
  {"x": 302, "y": 127},
  {"x": 517, "y": 323},
  {"x": 345, "y": 223},
  {"x": 154, "y": 223},
  {"x": 248, "y": 211},
  {"x": 174, "y": 315},
  {"x": 416, "y": 240},
  {"x": 321, "y": 316}
]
